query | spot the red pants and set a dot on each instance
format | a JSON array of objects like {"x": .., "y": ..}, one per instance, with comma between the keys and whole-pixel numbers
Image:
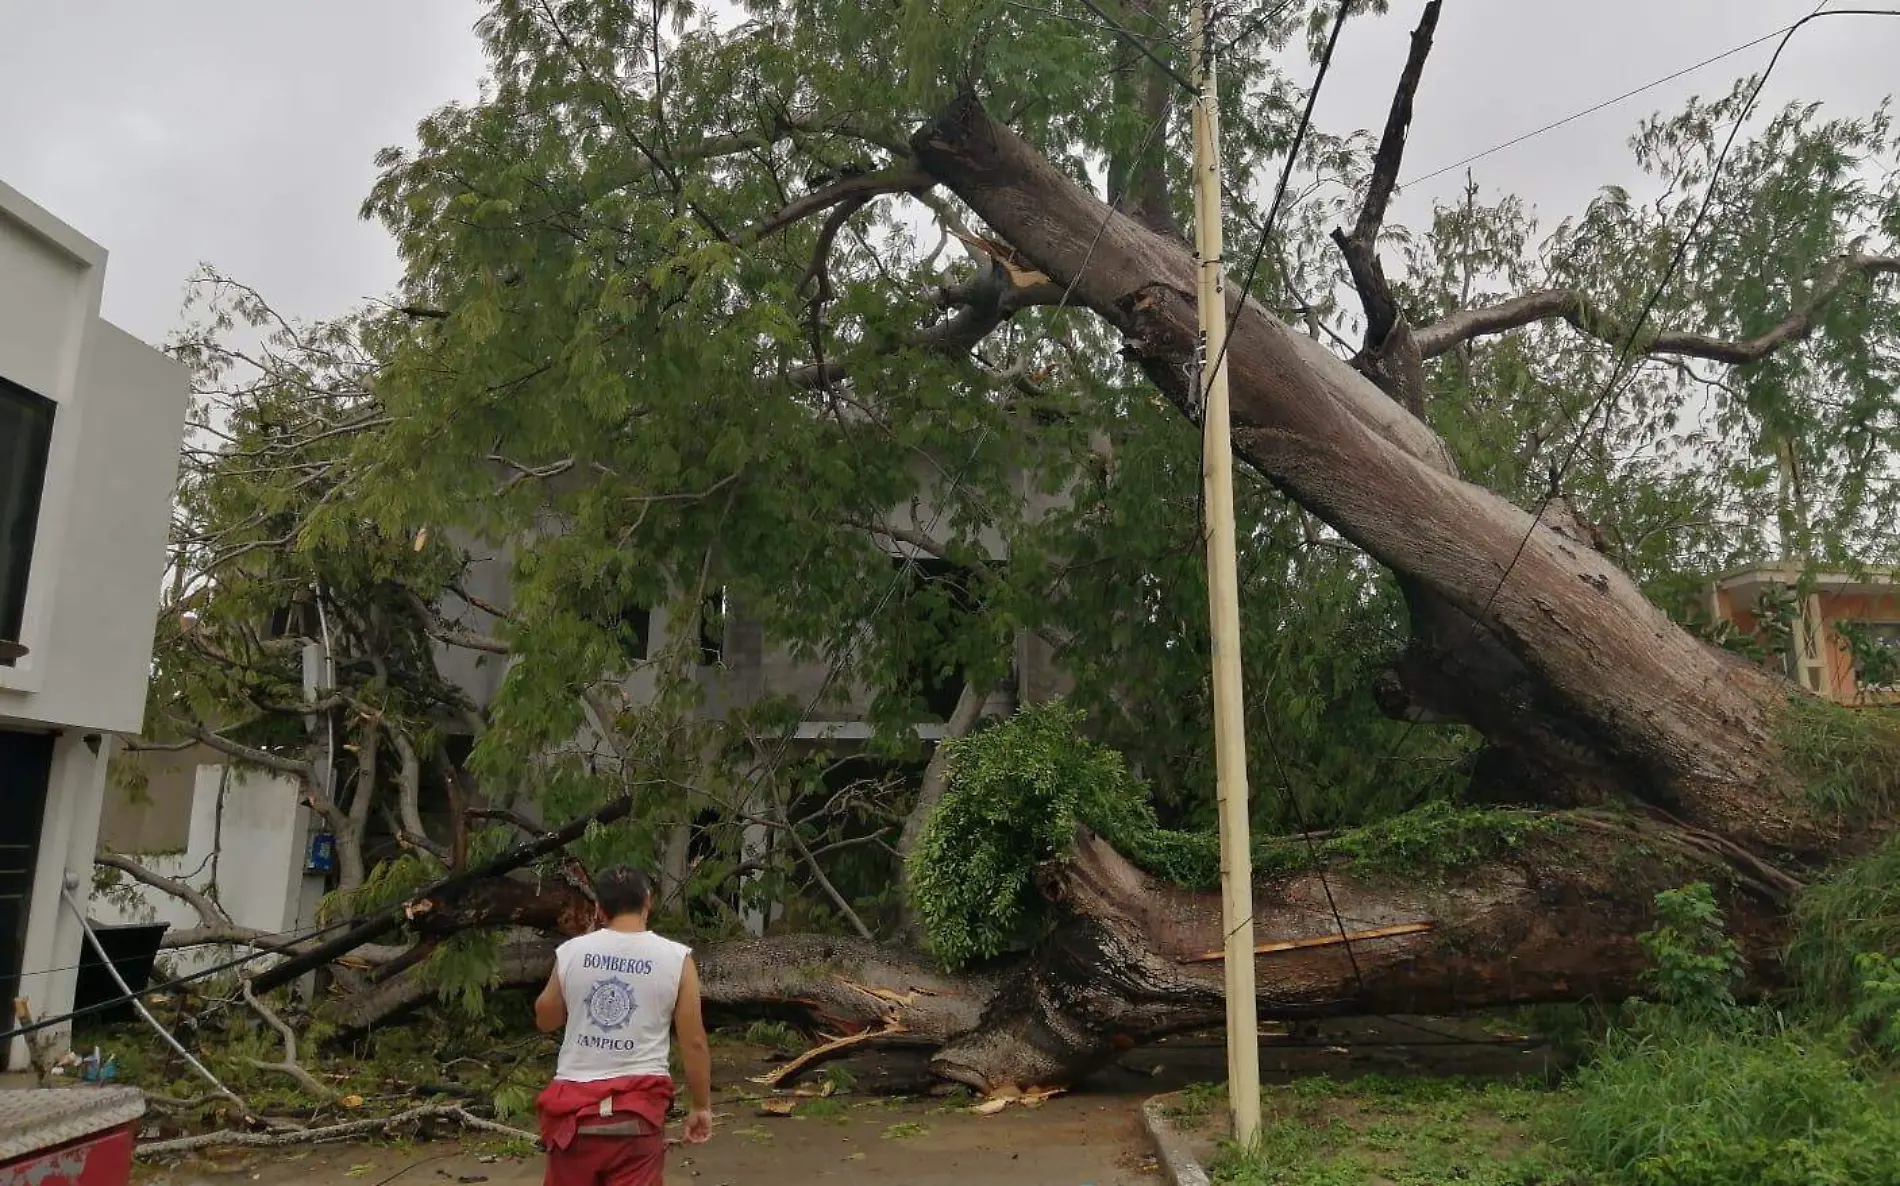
[{"x": 608, "y": 1161}]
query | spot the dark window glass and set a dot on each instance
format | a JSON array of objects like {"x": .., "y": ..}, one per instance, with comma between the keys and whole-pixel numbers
[{"x": 26, "y": 433}]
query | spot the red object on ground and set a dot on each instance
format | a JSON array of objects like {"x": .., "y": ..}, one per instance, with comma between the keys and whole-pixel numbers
[{"x": 68, "y": 1137}]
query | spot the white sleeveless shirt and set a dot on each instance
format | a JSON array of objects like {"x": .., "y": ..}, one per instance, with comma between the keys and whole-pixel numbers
[{"x": 620, "y": 987}]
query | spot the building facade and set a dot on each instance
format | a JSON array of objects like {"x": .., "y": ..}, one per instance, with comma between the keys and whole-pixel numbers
[
  {"x": 1819, "y": 610},
  {"x": 91, "y": 422}
]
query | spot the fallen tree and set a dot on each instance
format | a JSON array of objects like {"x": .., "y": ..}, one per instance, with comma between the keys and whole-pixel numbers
[
  {"x": 1640, "y": 756},
  {"x": 1516, "y": 908}
]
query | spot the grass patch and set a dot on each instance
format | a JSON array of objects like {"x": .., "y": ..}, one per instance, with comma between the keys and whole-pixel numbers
[
  {"x": 776, "y": 1036},
  {"x": 824, "y": 1107},
  {"x": 1377, "y": 1131},
  {"x": 1198, "y": 1103},
  {"x": 1748, "y": 1101},
  {"x": 1853, "y": 911},
  {"x": 1848, "y": 758},
  {"x": 906, "y": 1130}
]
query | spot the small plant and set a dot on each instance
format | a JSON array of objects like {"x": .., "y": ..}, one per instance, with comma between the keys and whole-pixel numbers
[
  {"x": 776, "y": 1036},
  {"x": 906, "y": 1130},
  {"x": 1876, "y": 1014},
  {"x": 1198, "y": 1102},
  {"x": 839, "y": 1079},
  {"x": 1697, "y": 964}
]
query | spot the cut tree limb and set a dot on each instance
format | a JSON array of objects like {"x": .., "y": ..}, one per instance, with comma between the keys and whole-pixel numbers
[{"x": 373, "y": 926}]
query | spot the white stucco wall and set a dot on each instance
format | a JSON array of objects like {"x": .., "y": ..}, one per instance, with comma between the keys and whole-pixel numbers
[
  {"x": 99, "y": 552},
  {"x": 98, "y": 555},
  {"x": 247, "y": 846}
]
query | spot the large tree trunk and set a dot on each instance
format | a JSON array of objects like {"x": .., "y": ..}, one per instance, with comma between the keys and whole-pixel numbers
[
  {"x": 1608, "y": 679},
  {"x": 1131, "y": 959}
]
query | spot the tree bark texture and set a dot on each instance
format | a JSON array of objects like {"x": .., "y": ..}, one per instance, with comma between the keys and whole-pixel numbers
[{"x": 1688, "y": 726}]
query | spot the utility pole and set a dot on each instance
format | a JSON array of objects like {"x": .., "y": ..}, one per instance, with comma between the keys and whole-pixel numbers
[{"x": 1223, "y": 588}]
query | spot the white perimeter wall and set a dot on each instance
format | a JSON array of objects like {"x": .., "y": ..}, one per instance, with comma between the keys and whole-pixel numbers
[{"x": 248, "y": 841}]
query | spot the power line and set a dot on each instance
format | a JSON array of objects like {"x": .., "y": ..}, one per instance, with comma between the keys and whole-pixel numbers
[
  {"x": 1514, "y": 141},
  {"x": 1783, "y": 32},
  {"x": 1141, "y": 46},
  {"x": 1286, "y": 176},
  {"x": 291, "y": 936}
]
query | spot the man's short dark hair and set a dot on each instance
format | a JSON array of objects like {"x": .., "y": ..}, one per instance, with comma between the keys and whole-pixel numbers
[{"x": 623, "y": 889}]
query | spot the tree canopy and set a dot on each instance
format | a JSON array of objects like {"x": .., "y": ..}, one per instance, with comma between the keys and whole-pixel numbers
[{"x": 684, "y": 314}]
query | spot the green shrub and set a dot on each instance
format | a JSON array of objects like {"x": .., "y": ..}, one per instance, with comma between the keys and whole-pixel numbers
[
  {"x": 1855, "y": 910},
  {"x": 1696, "y": 963},
  {"x": 1698, "y": 1092},
  {"x": 1876, "y": 1011},
  {"x": 1016, "y": 793}
]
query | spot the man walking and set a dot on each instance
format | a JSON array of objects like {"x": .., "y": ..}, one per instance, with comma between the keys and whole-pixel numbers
[{"x": 617, "y": 990}]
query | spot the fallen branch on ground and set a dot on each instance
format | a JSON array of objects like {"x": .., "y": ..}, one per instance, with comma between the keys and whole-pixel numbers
[{"x": 331, "y": 1132}]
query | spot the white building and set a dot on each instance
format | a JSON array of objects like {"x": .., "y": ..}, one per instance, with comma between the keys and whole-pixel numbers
[{"x": 91, "y": 421}]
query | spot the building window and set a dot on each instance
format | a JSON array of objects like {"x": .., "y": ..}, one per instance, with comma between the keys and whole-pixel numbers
[
  {"x": 939, "y": 603},
  {"x": 26, "y": 435},
  {"x": 631, "y": 625},
  {"x": 712, "y": 629}
]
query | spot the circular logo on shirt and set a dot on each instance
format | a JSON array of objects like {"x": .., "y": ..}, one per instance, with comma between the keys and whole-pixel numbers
[{"x": 610, "y": 1003}]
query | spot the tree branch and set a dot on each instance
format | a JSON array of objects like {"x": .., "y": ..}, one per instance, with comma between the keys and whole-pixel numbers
[
  {"x": 1583, "y": 314},
  {"x": 1389, "y": 358},
  {"x": 861, "y": 188},
  {"x": 289, "y": 1066},
  {"x": 254, "y": 757},
  {"x": 409, "y": 800},
  {"x": 209, "y": 912}
]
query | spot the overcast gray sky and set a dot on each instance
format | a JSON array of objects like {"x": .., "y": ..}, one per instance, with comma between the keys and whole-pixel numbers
[{"x": 240, "y": 132}]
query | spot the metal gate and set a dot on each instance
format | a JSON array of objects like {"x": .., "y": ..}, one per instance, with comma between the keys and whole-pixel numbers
[{"x": 26, "y": 764}]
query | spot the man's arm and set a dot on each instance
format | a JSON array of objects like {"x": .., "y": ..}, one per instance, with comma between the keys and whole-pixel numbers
[
  {"x": 695, "y": 1052},
  {"x": 550, "y": 1008}
]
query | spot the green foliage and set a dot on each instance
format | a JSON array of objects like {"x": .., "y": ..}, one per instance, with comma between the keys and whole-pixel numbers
[
  {"x": 1696, "y": 1090},
  {"x": 1875, "y": 655},
  {"x": 464, "y": 969},
  {"x": 1876, "y": 1012},
  {"x": 1017, "y": 792},
  {"x": 1376, "y": 1131},
  {"x": 1688, "y": 1104},
  {"x": 1851, "y": 912},
  {"x": 1696, "y": 963},
  {"x": 1849, "y": 758},
  {"x": 776, "y": 1036}
]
